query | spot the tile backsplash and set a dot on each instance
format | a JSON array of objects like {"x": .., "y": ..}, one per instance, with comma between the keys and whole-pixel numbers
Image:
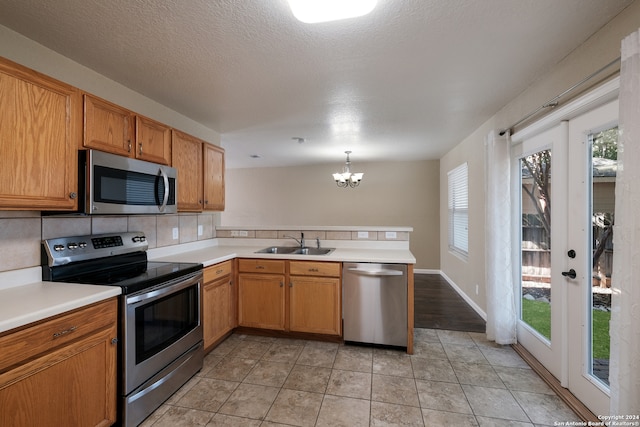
[{"x": 22, "y": 231}]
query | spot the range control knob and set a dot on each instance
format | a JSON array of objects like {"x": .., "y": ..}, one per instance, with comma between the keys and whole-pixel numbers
[
  {"x": 137, "y": 239},
  {"x": 58, "y": 248},
  {"x": 72, "y": 246},
  {"x": 82, "y": 245}
]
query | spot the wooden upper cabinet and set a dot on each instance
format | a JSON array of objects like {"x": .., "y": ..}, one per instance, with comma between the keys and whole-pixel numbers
[
  {"x": 114, "y": 129},
  {"x": 213, "y": 178},
  {"x": 153, "y": 141},
  {"x": 186, "y": 157},
  {"x": 40, "y": 130},
  {"x": 108, "y": 127}
]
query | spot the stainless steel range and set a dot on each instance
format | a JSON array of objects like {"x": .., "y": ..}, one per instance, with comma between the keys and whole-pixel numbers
[{"x": 160, "y": 334}]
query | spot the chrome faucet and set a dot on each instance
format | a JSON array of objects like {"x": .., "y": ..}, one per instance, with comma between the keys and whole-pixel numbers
[{"x": 300, "y": 242}]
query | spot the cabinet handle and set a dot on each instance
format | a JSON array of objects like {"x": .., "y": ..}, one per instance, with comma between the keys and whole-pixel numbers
[
  {"x": 291, "y": 284},
  {"x": 230, "y": 282},
  {"x": 259, "y": 267},
  {"x": 65, "y": 332},
  {"x": 73, "y": 195},
  {"x": 219, "y": 271},
  {"x": 129, "y": 145},
  {"x": 114, "y": 341},
  {"x": 140, "y": 145},
  {"x": 281, "y": 284},
  {"x": 313, "y": 270}
]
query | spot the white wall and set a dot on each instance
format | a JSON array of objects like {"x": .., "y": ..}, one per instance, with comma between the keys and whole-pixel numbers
[
  {"x": 391, "y": 194},
  {"x": 599, "y": 50}
]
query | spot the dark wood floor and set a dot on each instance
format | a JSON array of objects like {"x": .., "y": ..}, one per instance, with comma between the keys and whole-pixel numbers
[{"x": 438, "y": 306}]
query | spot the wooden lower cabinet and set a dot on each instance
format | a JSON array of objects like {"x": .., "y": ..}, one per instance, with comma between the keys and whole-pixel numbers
[
  {"x": 218, "y": 303},
  {"x": 296, "y": 296},
  {"x": 261, "y": 301},
  {"x": 67, "y": 372}
]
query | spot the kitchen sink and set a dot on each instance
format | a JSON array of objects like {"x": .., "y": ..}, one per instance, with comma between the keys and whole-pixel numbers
[
  {"x": 313, "y": 251},
  {"x": 295, "y": 250},
  {"x": 278, "y": 250}
]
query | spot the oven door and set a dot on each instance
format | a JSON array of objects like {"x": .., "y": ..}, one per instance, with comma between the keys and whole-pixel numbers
[{"x": 159, "y": 325}]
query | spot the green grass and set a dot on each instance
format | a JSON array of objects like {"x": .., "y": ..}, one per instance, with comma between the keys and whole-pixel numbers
[{"x": 538, "y": 315}]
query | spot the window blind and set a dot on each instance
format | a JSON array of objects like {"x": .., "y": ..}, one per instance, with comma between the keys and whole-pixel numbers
[{"x": 458, "y": 204}]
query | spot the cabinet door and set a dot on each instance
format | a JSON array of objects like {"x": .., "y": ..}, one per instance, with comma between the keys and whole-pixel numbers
[
  {"x": 107, "y": 127},
  {"x": 216, "y": 310},
  {"x": 40, "y": 124},
  {"x": 153, "y": 141},
  {"x": 186, "y": 155},
  {"x": 261, "y": 301},
  {"x": 213, "y": 178},
  {"x": 315, "y": 305}
]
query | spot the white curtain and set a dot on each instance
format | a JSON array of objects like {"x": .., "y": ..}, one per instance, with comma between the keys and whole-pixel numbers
[
  {"x": 624, "y": 374},
  {"x": 501, "y": 307}
]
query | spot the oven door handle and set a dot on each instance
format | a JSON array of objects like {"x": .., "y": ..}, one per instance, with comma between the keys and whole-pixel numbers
[
  {"x": 164, "y": 289},
  {"x": 165, "y": 197}
]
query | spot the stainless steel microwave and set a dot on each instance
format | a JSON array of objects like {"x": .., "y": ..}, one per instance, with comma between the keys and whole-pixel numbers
[{"x": 120, "y": 185}]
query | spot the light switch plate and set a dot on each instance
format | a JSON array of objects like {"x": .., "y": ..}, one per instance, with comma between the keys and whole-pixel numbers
[
  {"x": 390, "y": 235},
  {"x": 176, "y": 233},
  {"x": 200, "y": 230},
  {"x": 363, "y": 234}
]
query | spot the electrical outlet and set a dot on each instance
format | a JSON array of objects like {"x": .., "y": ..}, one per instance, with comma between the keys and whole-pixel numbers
[
  {"x": 200, "y": 230},
  {"x": 390, "y": 235},
  {"x": 363, "y": 234},
  {"x": 234, "y": 233},
  {"x": 244, "y": 233},
  {"x": 176, "y": 233}
]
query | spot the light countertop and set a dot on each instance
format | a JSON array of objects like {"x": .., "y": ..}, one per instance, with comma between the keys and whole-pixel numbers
[{"x": 21, "y": 305}]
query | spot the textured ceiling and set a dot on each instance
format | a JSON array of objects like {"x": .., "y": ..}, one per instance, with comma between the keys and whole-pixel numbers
[{"x": 408, "y": 81}]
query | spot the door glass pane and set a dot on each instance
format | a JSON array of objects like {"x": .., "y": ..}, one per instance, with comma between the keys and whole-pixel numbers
[
  {"x": 536, "y": 241},
  {"x": 604, "y": 154}
]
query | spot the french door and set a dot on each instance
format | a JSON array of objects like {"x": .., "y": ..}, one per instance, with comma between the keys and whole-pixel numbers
[{"x": 564, "y": 210}]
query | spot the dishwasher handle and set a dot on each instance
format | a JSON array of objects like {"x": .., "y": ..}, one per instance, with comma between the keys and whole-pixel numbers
[{"x": 365, "y": 272}]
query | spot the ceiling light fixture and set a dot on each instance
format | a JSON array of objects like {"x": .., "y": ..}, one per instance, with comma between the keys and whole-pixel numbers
[
  {"x": 314, "y": 11},
  {"x": 347, "y": 178}
]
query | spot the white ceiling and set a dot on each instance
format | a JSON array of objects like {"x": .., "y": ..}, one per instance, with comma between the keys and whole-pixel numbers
[{"x": 408, "y": 81}]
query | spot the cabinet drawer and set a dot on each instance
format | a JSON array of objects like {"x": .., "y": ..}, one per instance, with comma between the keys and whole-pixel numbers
[
  {"x": 29, "y": 342},
  {"x": 218, "y": 270},
  {"x": 311, "y": 268},
  {"x": 261, "y": 266}
]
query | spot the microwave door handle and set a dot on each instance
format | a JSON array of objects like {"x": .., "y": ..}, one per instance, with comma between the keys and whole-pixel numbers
[{"x": 165, "y": 198}]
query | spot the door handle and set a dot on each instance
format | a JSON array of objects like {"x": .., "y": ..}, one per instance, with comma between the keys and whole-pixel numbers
[{"x": 571, "y": 274}]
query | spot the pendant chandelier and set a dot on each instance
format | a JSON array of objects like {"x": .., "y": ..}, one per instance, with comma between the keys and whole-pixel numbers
[{"x": 347, "y": 178}]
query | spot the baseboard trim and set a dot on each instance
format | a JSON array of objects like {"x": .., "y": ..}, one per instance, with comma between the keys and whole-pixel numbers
[
  {"x": 465, "y": 297},
  {"x": 565, "y": 395}
]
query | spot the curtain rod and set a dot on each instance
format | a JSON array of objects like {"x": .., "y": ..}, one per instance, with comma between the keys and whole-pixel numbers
[{"x": 553, "y": 102}]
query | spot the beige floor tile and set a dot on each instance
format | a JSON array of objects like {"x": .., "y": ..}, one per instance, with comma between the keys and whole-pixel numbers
[
  {"x": 392, "y": 362},
  {"x": 544, "y": 409},
  {"x": 469, "y": 353},
  {"x": 494, "y": 403},
  {"x": 226, "y": 346},
  {"x": 294, "y": 407},
  {"x": 388, "y": 414},
  {"x": 425, "y": 335},
  {"x": 442, "y": 396},
  {"x": 284, "y": 353},
  {"x": 429, "y": 350},
  {"x": 230, "y": 421},
  {"x": 433, "y": 418},
  {"x": 308, "y": 378},
  {"x": 207, "y": 395},
  {"x": 433, "y": 369},
  {"x": 399, "y": 390},
  {"x": 454, "y": 337},
  {"x": 339, "y": 411},
  {"x": 350, "y": 384},
  {"x": 183, "y": 417},
  {"x": 522, "y": 380},
  {"x": 249, "y": 349},
  {"x": 272, "y": 374},
  {"x": 231, "y": 369},
  {"x": 318, "y": 355},
  {"x": 250, "y": 401},
  {"x": 503, "y": 356},
  {"x": 495, "y": 422},
  {"x": 183, "y": 390},
  {"x": 352, "y": 358},
  {"x": 477, "y": 374},
  {"x": 155, "y": 416}
]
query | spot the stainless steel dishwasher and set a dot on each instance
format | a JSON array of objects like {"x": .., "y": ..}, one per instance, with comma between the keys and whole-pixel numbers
[{"x": 374, "y": 303}]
